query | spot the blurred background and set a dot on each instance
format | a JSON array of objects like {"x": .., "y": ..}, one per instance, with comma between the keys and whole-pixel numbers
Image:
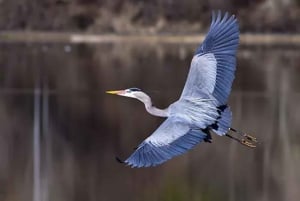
[{"x": 60, "y": 132}]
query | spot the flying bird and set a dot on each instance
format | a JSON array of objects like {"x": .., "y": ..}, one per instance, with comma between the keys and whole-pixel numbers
[{"x": 202, "y": 107}]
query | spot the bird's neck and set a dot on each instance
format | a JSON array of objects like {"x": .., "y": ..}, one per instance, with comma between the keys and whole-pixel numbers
[
  {"x": 156, "y": 111},
  {"x": 152, "y": 109}
]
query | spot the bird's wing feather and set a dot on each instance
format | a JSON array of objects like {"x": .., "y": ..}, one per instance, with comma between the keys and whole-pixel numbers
[
  {"x": 214, "y": 63},
  {"x": 172, "y": 138}
]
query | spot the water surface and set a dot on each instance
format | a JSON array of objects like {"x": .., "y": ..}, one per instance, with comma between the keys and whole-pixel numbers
[{"x": 82, "y": 128}]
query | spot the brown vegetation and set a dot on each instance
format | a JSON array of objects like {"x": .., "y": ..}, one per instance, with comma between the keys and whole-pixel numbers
[{"x": 150, "y": 17}]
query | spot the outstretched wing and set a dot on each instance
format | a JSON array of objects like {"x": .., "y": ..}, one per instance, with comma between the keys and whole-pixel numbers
[
  {"x": 214, "y": 63},
  {"x": 172, "y": 138}
]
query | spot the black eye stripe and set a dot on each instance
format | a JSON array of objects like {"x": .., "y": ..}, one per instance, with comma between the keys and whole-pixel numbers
[{"x": 134, "y": 89}]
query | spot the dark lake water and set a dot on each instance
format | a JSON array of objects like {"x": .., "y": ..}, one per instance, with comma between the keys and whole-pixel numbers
[{"x": 82, "y": 129}]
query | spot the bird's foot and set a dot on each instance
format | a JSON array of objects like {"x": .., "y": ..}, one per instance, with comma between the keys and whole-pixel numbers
[
  {"x": 251, "y": 138},
  {"x": 246, "y": 140},
  {"x": 247, "y": 143}
]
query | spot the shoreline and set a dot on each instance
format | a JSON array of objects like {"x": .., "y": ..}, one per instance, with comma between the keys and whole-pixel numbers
[{"x": 247, "y": 39}]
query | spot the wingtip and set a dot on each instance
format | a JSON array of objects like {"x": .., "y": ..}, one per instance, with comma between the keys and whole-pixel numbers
[{"x": 119, "y": 160}]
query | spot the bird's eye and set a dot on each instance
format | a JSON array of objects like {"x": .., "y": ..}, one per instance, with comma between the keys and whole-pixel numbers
[{"x": 134, "y": 89}]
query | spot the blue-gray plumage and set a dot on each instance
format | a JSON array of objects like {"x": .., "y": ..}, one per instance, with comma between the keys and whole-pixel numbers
[{"x": 202, "y": 106}]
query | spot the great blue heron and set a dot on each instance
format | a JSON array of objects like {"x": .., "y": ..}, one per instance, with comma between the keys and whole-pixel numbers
[{"x": 202, "y": 106}]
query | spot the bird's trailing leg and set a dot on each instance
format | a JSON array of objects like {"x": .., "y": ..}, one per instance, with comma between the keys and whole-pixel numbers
[
  {"x": 245, "y": 135},
  {"x": 247, "y": 140},
  {"x": 242, "y": 141}
]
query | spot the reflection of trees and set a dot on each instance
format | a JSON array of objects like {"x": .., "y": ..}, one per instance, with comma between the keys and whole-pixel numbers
[
  {"x": 132, "y": 16},
  {"x": 88, "y": 128}
]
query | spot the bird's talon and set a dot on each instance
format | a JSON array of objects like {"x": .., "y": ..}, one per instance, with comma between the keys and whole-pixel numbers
[
  {"x": 251, "y": 138},
  {"x": 246, "y": 143}
]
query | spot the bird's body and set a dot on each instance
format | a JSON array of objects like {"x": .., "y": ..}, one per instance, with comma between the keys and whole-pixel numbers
[
  {"x": 202, "y": 106},
  {"x": 190, "y": 110}
]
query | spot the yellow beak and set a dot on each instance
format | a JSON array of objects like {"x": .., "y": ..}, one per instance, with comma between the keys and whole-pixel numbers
[{"x": 117, "y": 92}]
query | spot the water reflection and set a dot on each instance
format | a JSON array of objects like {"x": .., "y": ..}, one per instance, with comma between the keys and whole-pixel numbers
[{"x": 83, "y": 128}]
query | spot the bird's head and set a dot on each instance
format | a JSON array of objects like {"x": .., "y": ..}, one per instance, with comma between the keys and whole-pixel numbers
[{"x": 130, "y": 92}]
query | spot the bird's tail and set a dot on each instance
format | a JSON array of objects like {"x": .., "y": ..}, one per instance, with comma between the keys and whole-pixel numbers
[{"x": 224, "y": 121}]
